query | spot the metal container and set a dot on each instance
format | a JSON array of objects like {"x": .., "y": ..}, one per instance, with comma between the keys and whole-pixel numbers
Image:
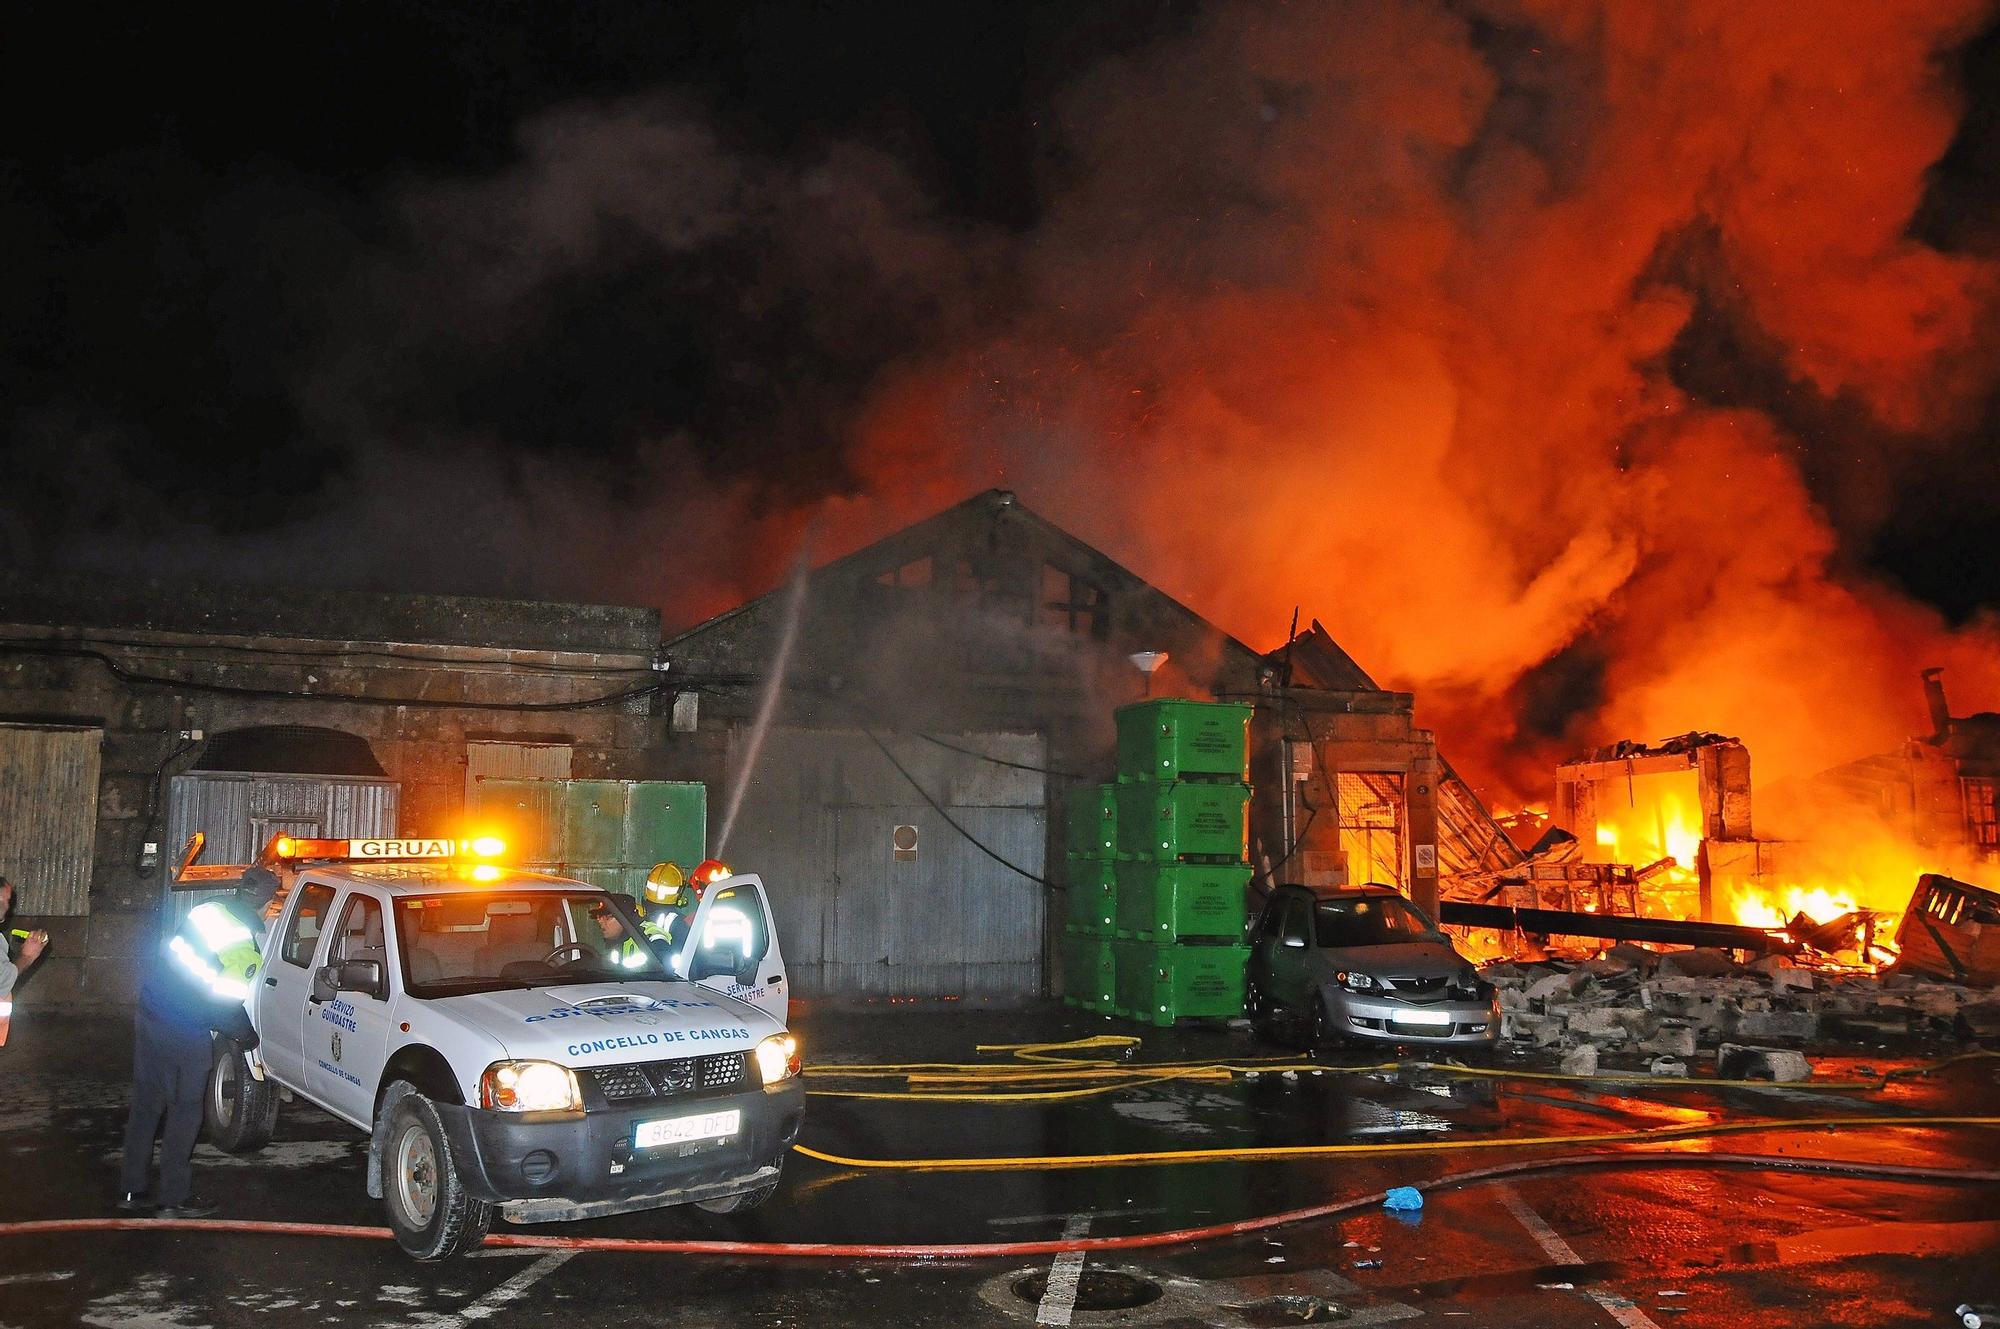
[
  {"x": 1161, "y": 984},
  {"x": 1164, "y": 740},
  {"x": 1092, "y": 896},
  {"x": 1091, "y": 828},
  {"x": 1089, "y": 972},
  {"x": 1184, "y": 820},
  {"x": 609, "y": 833},
  {"x": 1168, "y": 902}
]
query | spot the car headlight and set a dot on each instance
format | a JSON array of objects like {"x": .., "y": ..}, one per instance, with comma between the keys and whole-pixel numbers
[
  {"x": 530, "y": 1086},
  {"x": 1354, "y": 982},
  {"x": 778, "y": 1058}
]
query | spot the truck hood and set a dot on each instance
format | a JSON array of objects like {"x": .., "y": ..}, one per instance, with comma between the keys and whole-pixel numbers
[{"x": 596, "y": 1024}]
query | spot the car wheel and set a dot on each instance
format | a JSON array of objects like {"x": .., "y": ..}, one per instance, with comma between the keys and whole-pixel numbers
[
  {"x": 1325, "y": 1040},
  {"x": 240, "y": 1110},
  {"x": 429, "y": 1211},
  {"x": 742, "y": 1200},
  {"x": 1257, "y": 1005}
]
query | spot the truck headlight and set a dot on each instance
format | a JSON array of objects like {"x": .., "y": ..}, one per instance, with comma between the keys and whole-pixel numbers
[
  {"x": 1355, "y": 982},
  {"x": 778, "y": 1058},
  {"x": 530, "y": 1086}
]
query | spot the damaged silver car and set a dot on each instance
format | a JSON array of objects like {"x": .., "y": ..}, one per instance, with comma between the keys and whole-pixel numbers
[{"x": 1336, "y": 968}]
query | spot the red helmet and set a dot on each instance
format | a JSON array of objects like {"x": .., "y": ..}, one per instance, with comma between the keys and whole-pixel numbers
[{"x": 710, "y": 871}]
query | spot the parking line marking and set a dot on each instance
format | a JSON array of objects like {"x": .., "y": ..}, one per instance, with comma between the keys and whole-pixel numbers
[
  {"x": 497, "y": 1300},
  {"x": 1018, "y": 1219},
  {"x": 1552, "y": 1244},
  {"x": 1059, "y": 1293}
]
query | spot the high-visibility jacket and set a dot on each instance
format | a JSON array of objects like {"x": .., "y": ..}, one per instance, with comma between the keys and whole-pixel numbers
[{"x": 207, "y": 967}]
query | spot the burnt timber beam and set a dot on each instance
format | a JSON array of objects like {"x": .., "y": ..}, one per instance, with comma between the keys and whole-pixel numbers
[{"x": 1612, "y": 927}]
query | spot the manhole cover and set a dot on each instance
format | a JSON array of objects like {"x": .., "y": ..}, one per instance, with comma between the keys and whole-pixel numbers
[{"x": 1096, "y": 1290}]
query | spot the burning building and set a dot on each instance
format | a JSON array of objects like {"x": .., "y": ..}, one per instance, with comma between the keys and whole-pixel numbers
[{"x": 1851, "y": 841}]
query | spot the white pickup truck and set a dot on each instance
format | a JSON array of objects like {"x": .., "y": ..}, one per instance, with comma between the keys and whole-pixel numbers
[{"x": 512, "y": 1043}]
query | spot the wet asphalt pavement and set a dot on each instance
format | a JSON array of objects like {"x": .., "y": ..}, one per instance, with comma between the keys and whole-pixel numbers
[{"x": 1675, "y": 1248}]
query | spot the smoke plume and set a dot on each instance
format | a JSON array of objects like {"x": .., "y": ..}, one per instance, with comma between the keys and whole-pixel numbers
[
  {"x": 1391, "y": 311},
  {"x": 1559, "y": 355}
]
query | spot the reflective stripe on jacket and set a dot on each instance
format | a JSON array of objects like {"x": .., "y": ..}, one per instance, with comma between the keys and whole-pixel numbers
[{"x": 217, "y": 949}]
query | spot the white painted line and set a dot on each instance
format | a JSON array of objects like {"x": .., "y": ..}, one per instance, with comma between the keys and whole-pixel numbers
[
  {"x": 1020, "y": 1219},
  {"x": 1059, "y": 1294},
  {"x": 1552, "y": 1244},
  {"x": 496, "y": 1301}
]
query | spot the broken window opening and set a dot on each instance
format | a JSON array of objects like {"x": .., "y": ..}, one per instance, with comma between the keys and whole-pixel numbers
[
  {"x": 1980, "y": 820},
  {"x": 1072, "y": 604},
  {"x": 912, "y": 575}
]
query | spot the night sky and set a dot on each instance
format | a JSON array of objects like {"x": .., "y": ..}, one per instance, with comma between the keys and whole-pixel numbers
[
  {"x": 254, "y": 256},
  {"x": 197, "y": 204}
]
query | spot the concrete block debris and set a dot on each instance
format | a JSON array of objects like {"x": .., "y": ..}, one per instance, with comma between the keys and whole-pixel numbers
[
  {"x": 1630, "y": 1001},
  {"x": 1734, "y": 1061}
]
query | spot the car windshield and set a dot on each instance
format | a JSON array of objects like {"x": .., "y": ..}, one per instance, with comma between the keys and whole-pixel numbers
[
  {"x": 1378, "y": 920},
  {"x": 454, "y": 944}
]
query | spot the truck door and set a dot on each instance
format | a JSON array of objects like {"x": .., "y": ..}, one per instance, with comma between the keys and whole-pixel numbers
[
  {"x": 733, "y": 948},
  {"x": 281, "y": 1005},
  {"x": 347, "y": 1037}
]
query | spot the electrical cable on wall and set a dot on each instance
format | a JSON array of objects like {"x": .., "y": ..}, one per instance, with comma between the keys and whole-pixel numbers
[
  {"x": 952, "y": 821},
  {"x": 989, "y": 757},
  {"x": 139, "y": 679},
  {"x": 346, "y": 652}
]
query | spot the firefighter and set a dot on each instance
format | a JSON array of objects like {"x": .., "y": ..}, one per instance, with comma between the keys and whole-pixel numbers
[
  {"x": 12, "y": 965},
  {"x": 669, "y": 903},
  {"x": 197, "y": 985}
]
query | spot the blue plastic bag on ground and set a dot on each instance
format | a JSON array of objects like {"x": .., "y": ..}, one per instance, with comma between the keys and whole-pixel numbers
[{"x": 1403, "y": 1197}]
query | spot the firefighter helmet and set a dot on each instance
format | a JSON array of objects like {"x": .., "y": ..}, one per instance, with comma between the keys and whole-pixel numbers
[
  {"x": 711, "y": 871},
  {"x": 664, "y": 883}
]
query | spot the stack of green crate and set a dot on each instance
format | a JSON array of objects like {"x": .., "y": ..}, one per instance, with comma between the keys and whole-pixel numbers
[
  {"x": 1092, "y": 840},
  {"x": 1183, "y": 809}
]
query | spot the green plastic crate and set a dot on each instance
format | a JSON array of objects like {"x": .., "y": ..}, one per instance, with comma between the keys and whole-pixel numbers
[
  {"x": 1091, "y": 899},
  {"x": 1162, "y": 984},
  {"x": 1091, "y": 828},
  {"x": 1165, "y": 902},
  {"x": 1166, "y": 740},
  {"x": 1184, "y": 820},
  {"x": 1089, "y": 971}
]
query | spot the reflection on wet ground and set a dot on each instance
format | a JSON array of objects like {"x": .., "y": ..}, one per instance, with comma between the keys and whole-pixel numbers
[{"x": 1667, "y": 1245}]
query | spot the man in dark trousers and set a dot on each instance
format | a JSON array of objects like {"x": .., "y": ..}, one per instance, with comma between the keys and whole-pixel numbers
[{"x": 197, "y": 985}]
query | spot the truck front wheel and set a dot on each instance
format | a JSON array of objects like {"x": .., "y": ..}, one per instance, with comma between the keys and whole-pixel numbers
[
  {"x": 240, "y": 1110},
  {"x": 742, "y": 1200},
  {"x": 429, "y": 1211}
]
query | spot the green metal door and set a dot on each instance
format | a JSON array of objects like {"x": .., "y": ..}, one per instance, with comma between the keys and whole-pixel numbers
[{"x": 606, "y": 832}]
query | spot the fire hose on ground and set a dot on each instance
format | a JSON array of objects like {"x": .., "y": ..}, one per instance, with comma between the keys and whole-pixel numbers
[
  {"x": 1056, "y": 1062},
  {"x": 1039, "y": 1064},
  {"x": 1023, "y": 1249}
]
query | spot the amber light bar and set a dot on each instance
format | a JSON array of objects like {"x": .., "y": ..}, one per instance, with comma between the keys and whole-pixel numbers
[{"x": 290, "y": 847}]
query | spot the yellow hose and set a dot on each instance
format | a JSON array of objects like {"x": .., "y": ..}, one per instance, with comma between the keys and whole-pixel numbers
[
  {"x": 1709, "y": 1129},
  {"x": 1047, "y": 1068}
]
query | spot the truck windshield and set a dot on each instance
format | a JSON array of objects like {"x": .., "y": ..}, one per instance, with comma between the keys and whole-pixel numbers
[
  {"x": 455, "y": 944},
  {"x": 1379, "y": 920}
]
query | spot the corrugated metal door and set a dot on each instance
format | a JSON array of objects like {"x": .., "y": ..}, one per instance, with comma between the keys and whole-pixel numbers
[
  {"x": 486, "y": 760},
  {"x": 861, "y": 919},
  {"x": 48, "y": 815},
  {"x": 240, "y": 812}
]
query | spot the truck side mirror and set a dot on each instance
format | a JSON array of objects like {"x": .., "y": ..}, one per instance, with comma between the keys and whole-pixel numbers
[{"x": 330, "y": 980}]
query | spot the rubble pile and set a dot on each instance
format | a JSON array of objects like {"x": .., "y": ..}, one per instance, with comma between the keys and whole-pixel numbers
[{"x": 1662, "y": 1006}]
